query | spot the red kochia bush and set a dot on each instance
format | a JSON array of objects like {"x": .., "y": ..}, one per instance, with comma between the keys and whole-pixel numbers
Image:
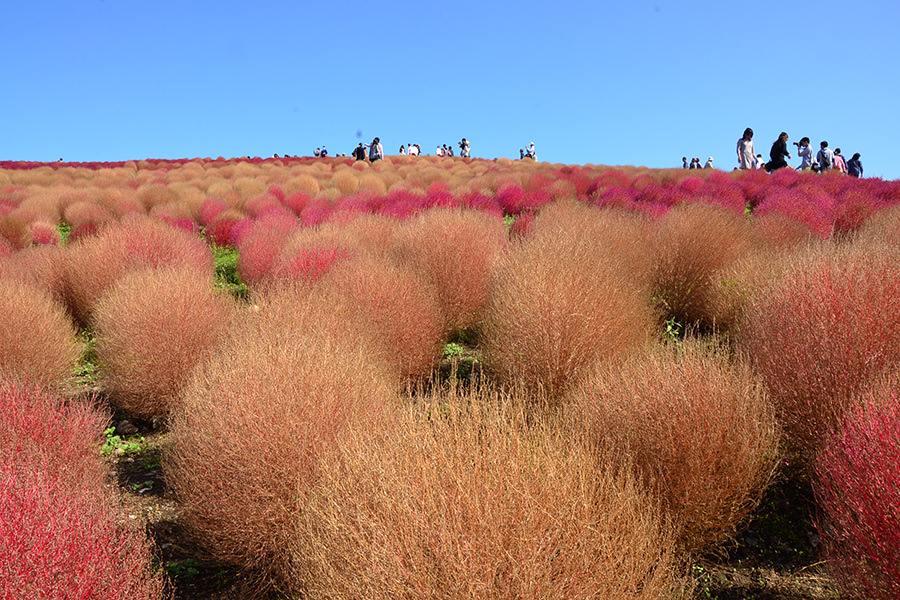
[
  {"x": 258, "y": 419},
  {"x": 698, "y": 428},
  {"x": 94, "y": 264},
  {"x": 857, "y": 487},
  {"x": 821, "y": 331},
  {"x": 152, "y": 329},
  {"x": 455, "y": 250},
  {"x": 37, "y": 337},
  {"x": 59, "y": 536},
  {"x": 260, "y": 246}
]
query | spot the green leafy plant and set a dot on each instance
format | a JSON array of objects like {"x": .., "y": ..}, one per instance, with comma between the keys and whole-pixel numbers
[
  {"x": 227, "y": 278},
  {"x": 183, "y": 569},
  {"x": 116, "y": 444}
]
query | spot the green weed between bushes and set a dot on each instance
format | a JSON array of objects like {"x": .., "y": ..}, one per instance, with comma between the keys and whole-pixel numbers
[
  {"x": 86, "y": 370},
  {"x": 227, "y": 278},
  {"x": 64, "y": 230},
  {"x": 116, "y": 444}
]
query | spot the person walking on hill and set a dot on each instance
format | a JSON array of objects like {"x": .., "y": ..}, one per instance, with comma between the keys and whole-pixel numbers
[
  {"x": 465, "y": 148},
  {"x": 376, "y": 150},
  {"x": 839, "y": 163},
  {"x": 778, "y": 154},
  {"x": 854, "y": 167},
  {"x": 825, "y": 157},
  {"x": 746, "y": 156},
  {"x": 359, "y": 153}
]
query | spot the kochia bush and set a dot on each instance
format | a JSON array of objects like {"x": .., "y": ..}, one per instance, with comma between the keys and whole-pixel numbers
[
  {"x": 560, "y": 303},
  {"x": 37, "y": 337},
  {"x": 819, "y": 332},
  {"x": 94, "y": 264},
  {"x": 470, "y": 496},
  {"x": 60, "y": 535},
  {"x": 699, "y": 430},
  {"x": 152, "y": 329},
  {"x": 455, "y": 250},
  {"x": 257, "y": 421},
  {"x": 857, "y": 487}
]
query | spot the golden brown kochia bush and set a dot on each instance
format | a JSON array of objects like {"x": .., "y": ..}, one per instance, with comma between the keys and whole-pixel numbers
[
  {"x": 558, "y": 305},
  {"x": 698, "y": 428},
  {"x": 693, "y": 242},
  {"x": 152, "y": 329},
  {"x": 257, "y": 421},
  {"x": 470, "y": 497},
  {"x": 94, "y": 264},
  {"x": 392, "y": 304},
  {"x": 821, "y": 331},
  {"x": 37, "y": 338},
  {"x": 455, "y": 250},
  {"x": 620, "y": 233}
]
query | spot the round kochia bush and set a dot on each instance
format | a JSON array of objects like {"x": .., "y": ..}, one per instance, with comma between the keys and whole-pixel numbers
[
  {"x": 560, "y": 303},
  {"x": 470, "y": 496},
  {"x": 857, "y": 486},
  {"x": 37, "y": 337},
  {"x": 95, "y": 263},
  {"x": 698, "y": 429},
  {"x": 257, "y": 421},
  {"x": 821, "y": 331},
  {"x": 455, "y": 250},
  {"x": 152, "y": 329}
]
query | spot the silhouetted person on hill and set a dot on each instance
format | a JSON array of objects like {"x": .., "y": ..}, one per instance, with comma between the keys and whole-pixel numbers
[
  {"x": 779, "y": 154},
  {"x": 854, "y": 167}
]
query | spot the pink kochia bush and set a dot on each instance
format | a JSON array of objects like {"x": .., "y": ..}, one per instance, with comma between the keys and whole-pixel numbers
[
  {"x": 697, "y": 427},
  {"x": 59, "y": 531},
  {"x": 37, "y": 337},
  {"x": 857, "y": 487},
  {"x": 94, "y": 264},
  {"x": 151, "y": 330},
  {"x": 257, "y": 421},
  {"x": 821, "y": 331}
]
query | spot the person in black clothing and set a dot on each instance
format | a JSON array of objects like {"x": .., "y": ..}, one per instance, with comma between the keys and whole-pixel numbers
[
  {"x": 854, "y": 167},
  {"x": 359, "y": 153},
  {"x": 778, "y": 153}
]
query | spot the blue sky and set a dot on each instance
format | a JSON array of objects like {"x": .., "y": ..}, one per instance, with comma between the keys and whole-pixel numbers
[{"x": 628, "y": 83}]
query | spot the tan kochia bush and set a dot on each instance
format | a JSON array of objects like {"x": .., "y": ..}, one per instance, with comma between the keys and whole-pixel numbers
[
  {"x": 699, "y": 430},
  {"x": 258, "y": 420},
  {"x": 691, "y": 244},
  {"x": 152, "y": 329},
  {"x": 392, "y": 304},
  {"x": 456, "y": 251},
  {"x": 463, "y": 499},
  {"x": 93, "y": 265},
  {"x": 37, "y": 338},
  {"x": 558, "y": 305}
]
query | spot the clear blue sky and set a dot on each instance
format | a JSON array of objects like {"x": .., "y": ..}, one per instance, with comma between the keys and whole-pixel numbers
[{"x": 628, "y": 83}]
